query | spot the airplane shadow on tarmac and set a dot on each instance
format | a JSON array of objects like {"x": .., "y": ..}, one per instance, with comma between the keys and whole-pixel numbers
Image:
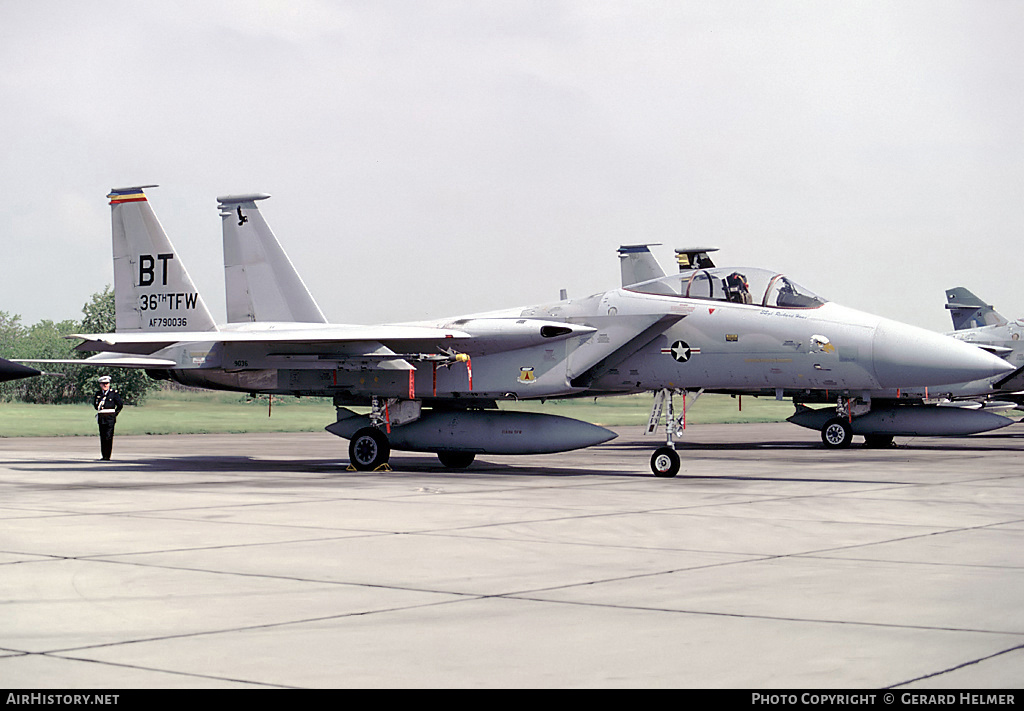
[
  {"x": 635, "y": 465},
  {"x": 242, "y": 465},
  {"x": 227, "y": 470}
]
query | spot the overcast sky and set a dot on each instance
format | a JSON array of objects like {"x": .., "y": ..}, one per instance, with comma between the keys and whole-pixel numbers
[{"x": 428, "y": 159}]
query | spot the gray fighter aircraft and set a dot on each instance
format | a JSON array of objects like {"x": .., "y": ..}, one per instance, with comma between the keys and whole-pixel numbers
[
  {"x": 434, "y": 386},
  {"x": 976, "y": 322}
]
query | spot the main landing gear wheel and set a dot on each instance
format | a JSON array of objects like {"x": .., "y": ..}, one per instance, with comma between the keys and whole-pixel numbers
[
  {"x": 878, "y": 441},
  {"x": 456, "y": 460},
  {"x": 368, "y": 449},
  {"x": 665, "y": 462},
  {"x": 837, "y": 433}
]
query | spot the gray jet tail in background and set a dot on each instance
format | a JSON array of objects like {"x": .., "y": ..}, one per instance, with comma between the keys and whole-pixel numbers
[
  {"x": 260, "y": 282},
  {"x": 968, "y": 311}
]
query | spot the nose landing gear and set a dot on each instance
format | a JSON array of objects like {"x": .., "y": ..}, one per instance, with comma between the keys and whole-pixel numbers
[{"x": 665, "y": 461}]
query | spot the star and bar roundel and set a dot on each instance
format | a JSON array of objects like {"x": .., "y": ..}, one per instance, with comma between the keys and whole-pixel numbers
[{"x": 680, "y": 351}]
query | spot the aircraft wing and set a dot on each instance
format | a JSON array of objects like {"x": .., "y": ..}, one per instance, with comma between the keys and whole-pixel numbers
[
  {"x": 369, "y": 356},
  {"x": 146, "y": 342},
  {"x": 364, "y": 356},
  {"x": 471, "y": 336}
]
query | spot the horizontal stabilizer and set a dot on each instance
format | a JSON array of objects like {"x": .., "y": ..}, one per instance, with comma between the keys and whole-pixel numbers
[
  {"x": 110, "y": 360},
  {"x": 13, "y": 371}
]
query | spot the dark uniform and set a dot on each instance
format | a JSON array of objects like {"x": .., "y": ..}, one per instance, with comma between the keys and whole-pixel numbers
[{"x": 108, "y": 400}]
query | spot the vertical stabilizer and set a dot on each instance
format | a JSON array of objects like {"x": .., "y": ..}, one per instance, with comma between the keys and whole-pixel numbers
[
  {"x": 968, "y": 311},
  {"x": 637, "y": 264},
  {"x": 260, "y": 282},
  {"x": 152, "y": 288}
]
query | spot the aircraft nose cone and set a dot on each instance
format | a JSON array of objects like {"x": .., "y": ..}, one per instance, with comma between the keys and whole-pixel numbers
[{"x": 906, "y": 356}]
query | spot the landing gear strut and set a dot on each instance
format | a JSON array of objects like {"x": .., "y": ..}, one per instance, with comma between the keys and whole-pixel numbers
[
  {"x": 838, "y": 432},
  {"x": 369, "y": 448},
  {"x": 665, "y": 461}
]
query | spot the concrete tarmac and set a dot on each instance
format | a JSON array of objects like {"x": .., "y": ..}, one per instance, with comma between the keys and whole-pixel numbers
[{"x": 256, "y": 561}]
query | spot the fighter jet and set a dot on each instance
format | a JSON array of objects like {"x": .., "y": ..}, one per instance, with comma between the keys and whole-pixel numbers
[
  {"x": 976, "y": 322},
  {"x": 435, "y": 386}
]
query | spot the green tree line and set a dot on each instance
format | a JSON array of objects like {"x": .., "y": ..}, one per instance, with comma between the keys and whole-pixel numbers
[{"x": 62, "y": 383}]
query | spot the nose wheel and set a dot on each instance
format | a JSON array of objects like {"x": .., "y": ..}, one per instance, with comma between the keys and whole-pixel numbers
[{"x": 665, "y": 462}]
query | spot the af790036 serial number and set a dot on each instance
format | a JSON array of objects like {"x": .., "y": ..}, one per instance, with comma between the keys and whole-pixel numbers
[{"x": 161, "y": 322}]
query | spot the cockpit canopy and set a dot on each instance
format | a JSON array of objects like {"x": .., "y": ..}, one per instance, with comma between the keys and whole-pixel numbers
[{"x": 759, "y": 287}]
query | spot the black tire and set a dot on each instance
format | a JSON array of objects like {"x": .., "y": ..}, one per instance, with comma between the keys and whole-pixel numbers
[
  {"x": 665, "y": 462},
  {"x": 837, "y": 433},
  {"x": 368, "y": 449},
  {"x": 456, "y": 460},
  {"x": 878, "y": 441}
]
